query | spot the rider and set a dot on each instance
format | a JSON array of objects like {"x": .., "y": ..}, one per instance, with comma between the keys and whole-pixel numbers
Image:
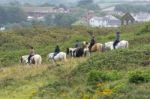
[
  {"x": 93, "y": 41},
  {"x": 56, "y": 51},
  {"x": 117, "y": 40},
  {"x": 31, "y": 53},
  {"x": 77, "y": 44}
]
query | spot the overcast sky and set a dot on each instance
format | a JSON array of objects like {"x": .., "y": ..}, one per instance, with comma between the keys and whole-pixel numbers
[{"x": 59, "y": 1}]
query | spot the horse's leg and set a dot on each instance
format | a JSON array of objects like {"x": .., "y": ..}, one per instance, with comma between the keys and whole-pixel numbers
[
  {"x": 85, "y": 53},
  {"x": 65, "y": 59},
  {"x": 112, "y": 47},
  {"x": 71, "y": 54},
  {"x": 53, "y": 61}
]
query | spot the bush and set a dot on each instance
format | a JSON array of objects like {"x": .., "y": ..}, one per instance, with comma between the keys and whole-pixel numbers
[
  {"x": 115, "y": 60},
  {"x": 145, "y": 29},
  {"x": 96, "y": 76},
  {"x": 139, "y": 77}
]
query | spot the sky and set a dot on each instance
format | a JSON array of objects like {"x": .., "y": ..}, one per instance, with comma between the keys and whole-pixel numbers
[{"x": 57, "y": 1}]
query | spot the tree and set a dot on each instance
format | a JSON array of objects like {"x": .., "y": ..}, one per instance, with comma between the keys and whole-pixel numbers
[
  {"x": 85, "y": 2},
  {"x": 88, "y": 4},
  {"x": 60, "y": 19},
  {"x": 11, "y": 14}
]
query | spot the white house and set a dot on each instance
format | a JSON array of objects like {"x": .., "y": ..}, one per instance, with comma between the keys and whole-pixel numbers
[
  {"x": 31, "y": 18},
  {"x": 107, "y": 21},
  {"x": 142, "y": 17},
  {"x": 2, "y": 28}
]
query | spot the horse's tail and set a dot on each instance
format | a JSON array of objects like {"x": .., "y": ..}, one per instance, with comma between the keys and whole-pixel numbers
[
  {"x": 21, "y": 60},
  {"x": 65, "y": 57},
  {"x": 39, "y": 61},
  {"x": 127, "y": 44},
  {"x": 48, "y": 58},
  {"x": 67, "y": 51},
  {"x": 103, "y": 48}
]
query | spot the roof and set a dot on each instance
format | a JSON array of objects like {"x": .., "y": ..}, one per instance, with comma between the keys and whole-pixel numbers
[
  {"x": 127, "y": 16},
  {"x": 107, "y": 18},
  {"x": 80, "y": 22}
]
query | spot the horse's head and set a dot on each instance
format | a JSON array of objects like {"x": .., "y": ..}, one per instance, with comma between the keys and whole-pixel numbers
[
  {"x": 85, "y": 44},
  {"x": 67, "y": 51},
  {"x": 24, "y": 59},
  {"x": 21, "y": 59}
]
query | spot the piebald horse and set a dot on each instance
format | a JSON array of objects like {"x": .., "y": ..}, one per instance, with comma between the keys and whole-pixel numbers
[
  {"x": 36, "y": 59},
  {"x": 71, "y": 51},
  {"x": 76, "y": 52},
  {"x": 121, "y": 44}
]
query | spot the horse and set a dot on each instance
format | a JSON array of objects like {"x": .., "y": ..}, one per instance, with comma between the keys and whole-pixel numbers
[
  {"x": 121, "y": 44},
  {"x": 97, "y": 47},
  {"x": 59, "y": 56},
  {"x": 71, "y": 51},
  {"x": 75, "y": 52},
  {"x": 36, "y": 59}
]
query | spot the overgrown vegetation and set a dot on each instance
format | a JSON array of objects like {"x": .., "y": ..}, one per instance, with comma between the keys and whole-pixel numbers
[{"x": 113, "y": 74}]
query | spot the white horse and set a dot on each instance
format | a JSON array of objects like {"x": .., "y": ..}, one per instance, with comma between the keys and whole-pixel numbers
[
  {"x": 121, "y": 44},
  {"x": 59, "y": 56},
  {"x": 36, "y": 59}
]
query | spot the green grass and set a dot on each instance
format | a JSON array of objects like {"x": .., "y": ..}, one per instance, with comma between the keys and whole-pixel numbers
[{"x": 118, "y": 74}]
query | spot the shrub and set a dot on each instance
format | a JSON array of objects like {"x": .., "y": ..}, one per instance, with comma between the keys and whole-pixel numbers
[
  {"x": 139, "y": 77},
  {"x": 145, "y": 29},
  {"x": 96, "y": 76}
]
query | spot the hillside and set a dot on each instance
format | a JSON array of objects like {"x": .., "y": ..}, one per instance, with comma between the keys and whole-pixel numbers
[{"x": 109, "y": 75}]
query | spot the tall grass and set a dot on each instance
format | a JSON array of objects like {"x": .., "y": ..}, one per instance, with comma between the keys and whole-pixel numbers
[{"x": 112, "y": 74}]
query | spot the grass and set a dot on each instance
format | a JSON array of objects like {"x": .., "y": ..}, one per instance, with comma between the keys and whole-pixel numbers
[{"x": 117, "y": 74}]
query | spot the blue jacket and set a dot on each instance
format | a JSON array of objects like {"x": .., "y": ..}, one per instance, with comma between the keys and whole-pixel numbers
[
  {"x": 57, "y": 50},
  {"x": 117, "y": 36},
  {"x": 77, "y": 44}
]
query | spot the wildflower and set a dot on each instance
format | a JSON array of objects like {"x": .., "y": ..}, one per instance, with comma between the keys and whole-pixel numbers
[
  {"x": 84, "y": 96},
  {"x": 105, "y": 92},
  {"x": 100, "y": 84},
  {"x": 63, "y": 94}
]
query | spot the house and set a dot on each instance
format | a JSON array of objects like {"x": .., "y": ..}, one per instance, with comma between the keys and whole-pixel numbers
[
  {"x": 2, "y": 28},
  {"x": 142, "y": 17},
  {"x": 107, "y": 21},
  {"x": 87, "y": 16},
  {"x": 127, "y": 19}
]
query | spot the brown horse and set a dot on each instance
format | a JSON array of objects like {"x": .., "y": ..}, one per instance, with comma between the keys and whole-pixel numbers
[{"x": 97, "y": 47}]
